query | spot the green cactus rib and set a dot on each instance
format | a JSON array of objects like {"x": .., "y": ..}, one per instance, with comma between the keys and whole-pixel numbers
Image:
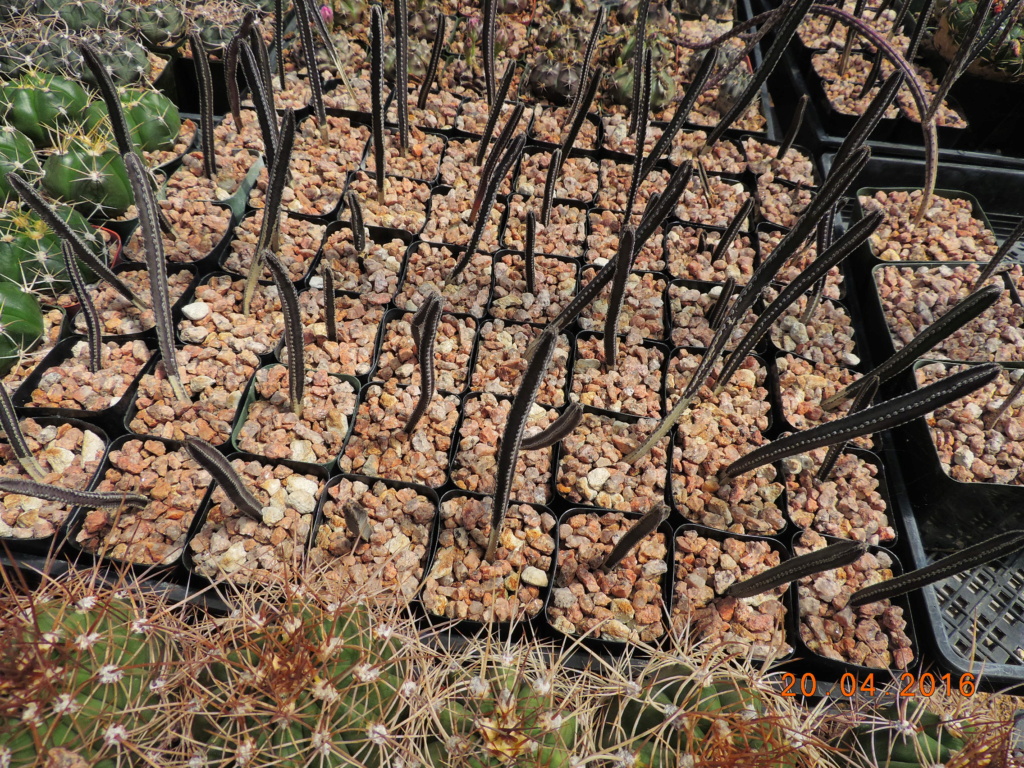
[
  {"x": 683, "y": 109},
  {"x": 70, "y": 497},
  {"x": 854, "y": 238},
  {"x": 551, "y": 179},
  {"x": 512, "y": 438},
  {"x": 316, "y": 87},
  {"x": 639, "y": 70},
  {"x": 16, "y": 438},
  {"x": 529, "y": 257},
  {"x": 424, "y": 327},
  {"x": 496, "y": 153},
  {"x": 595, "y": 33},
  {"x": 794, "y": 128},
  {"x": 489, "y": 12},
  {"x": 214, "y": 462},
  {"x": 641, "y": 137},
  {"x": 654, "y": 517},
  {"x": 495, "y": 111},
  {"x": 357, "y": 520},
  {"x": 231, "y": 67},
  {"x": 205, "y": 79},
  {"x": 276, "y": 182},
  {"x": 435, "y": 59},
  {"x": 261, "y": 100},
  {"x": 156, "y": 265},
  {"x": 508, "y": 160},
  {"x": 292, "y": 327},
  {"x": 833, "y": 556},
  {"x": 556, "y": 431},
  {"x": 979, "y": 554},
  {"x": 42, "y": 208},
  {"x": 93, "y": 326},
  {"x": 783, "y": 33},
  {"x": 864, "y": 398},
  {"x": 885, "y": 415},
  {"x": 718, "y": 312},
  {"x": 330, "y": 311},
  {"x": 355, "y": 221},
  {"x": 829, "y": 193},
  {"x": 623, "y": 264},
  {"x": 377, "y": 95},
  {"x": 963, "y": 312},
  {"x": 402, "y": 72},
  {"x": 1002, "y": 253}
]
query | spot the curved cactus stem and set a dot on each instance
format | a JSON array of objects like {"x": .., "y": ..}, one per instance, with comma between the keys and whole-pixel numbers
[
  {"x": 719, "y": 311},
  {"x": 330, "y": 311},
  {"x": 496, "y": 153},
  {"x": 202, "y": 62},
  {"x": 213, "y": 461},
  {"x": 261, "y": 101},
  {"x": 231, "y": 54},
  {"x": 42, "y": 208},
  {"x": 623, "y": 264},
  {"x": 292, "y": 330},
  {"x": 1002, "y": 253},
  {"x": 557, "y": 431},
  {"x": 979, "y": 554},
  {"x": 70, "y": 497},
  {"x": 424, "y": 328},
  {"x": 93, "y": 326},
  {"x": 511, "y": 441},
  {"x": 490, "y": 14},
  {"x": 639, "y": 54},
  {"x": 156, "y": 264},
  {"x": 530, "y": 266},
  {"x": 402, "y": 73},
  {"x": 277, "y": 179},
  {"x": 16, "y": 438},
  {"x": 885, "y": 415},
  {"x": 377, "y": 95},
  {"x": 960, "y": 314},
  {"x": 865, "y": 396},
  {"x": 636, "y": 533},
  {"x": 316, "y": 87},
  {"x": 495, "y": 112},
  {"x": 435, "y": 59},
  {"x": 794, "y": 128},
  {"x": 833, "y": 556}
]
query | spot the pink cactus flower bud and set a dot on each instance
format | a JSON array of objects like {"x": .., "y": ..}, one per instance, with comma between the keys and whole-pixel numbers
[{"x": 327, "y": 14}]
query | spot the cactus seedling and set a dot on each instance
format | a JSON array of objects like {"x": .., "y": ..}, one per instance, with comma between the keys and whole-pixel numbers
[
  {"x": 205, "y": 104},
  {"x": 293, "y": 329},
  {"x": 641, "y": 72},
  {"x": 302, "y": 12},
  {"x": 357, "y": 520},
  {"x": 424, "y": 331},
  {"x": 355, "y": 220},
  {"x": 530, "y": 265},
  {"x": 94, "y": 330},
  {"x": 377, "y": 94},
  {"x": 718, "y": 312},
  {"x": 16, "y": 438},
  {"x": 623, "y": 265},
  {"x": 864, "y": 398},
  {"x": 435, "y": 59},
  {"x": 72, "y": 497},
  {"x": 495, "y": 111},
  {"x": 1004, "y": 250},
  {"x": 213, "y": 461},
  {"x": 654, "y": 517},
  {"x": 834, "y": 556},
  {"x": 231, "y": 54},
  {"x": 556, "y": 431},
  {"x": 263, "y": 101},
  {"x": 330, "y": 311},
  {"x": 992, "y": 419},
  {"x": 496, "y": 153}
]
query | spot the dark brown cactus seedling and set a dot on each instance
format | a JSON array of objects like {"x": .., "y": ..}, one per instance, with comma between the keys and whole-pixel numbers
[
  {"x": 654, "y": 517},
  {"x": 16, "y": 438},
  {"x": 864, "y": 398},
  {"x": 833, "y": 556},
  {"x": 495, "y": 155},
  {"x": 214, "y": 462},
  {"x": 556, "y": 431},
  {"x": 424, "y": 331},
  {"x": 206, "y": 117},
  {"x": 435, "y": 59},
  {"x": 292, "y": 329},
  {"x": 377, "y": 95},
  {"x": 93, "y": 327},
  {"x": 495, "y": 111}
]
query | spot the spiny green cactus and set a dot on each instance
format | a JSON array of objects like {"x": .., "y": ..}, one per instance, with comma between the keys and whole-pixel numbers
[
  {"x": 125, "y": 58},
  {"x": 77, "y": 15},
  {"x": 153, "y": 120},
  {"x": 156, "y": 22},
  {"x": 1002, "y": 59},
  {"x": 30, "y": 253},
  {"x": 16, "y": 155},
  {"x": 39, "y": 105},
  {"x": 904, "y": 736},
  {"x": 21, "y": 324},
  {"x": 90, "y": 176}
]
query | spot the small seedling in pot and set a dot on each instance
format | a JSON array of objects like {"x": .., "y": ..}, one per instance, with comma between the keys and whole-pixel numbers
[
  {"x": 595, "y": 32},
  {"x": 641, "y": 73},
  {"x": 435, "y": 59},
  {"x": 156, "y": 265},
  {"x": 623, "y": 265},
  {"x": 402, "y": 73},
  {"x": 16, "y": 438},
  {"x": 834, "y": 556},
  {"x": 641, "y": 138},
  {"x": 489, "y": 12},
  {"x": 794, "y": 129},
  {"x": 424, "y": 331},
  {"x": 357, "y": 521},
  {"x": 554, "y": 164},
  {"x": 377, "y": 95},
  {"x": 992, "y": 419},
  {"x": 205, "y": 79},
  {"x": 214, "y": 462},
  {"x": 886, "y": 415},
  {"x": 69, "y": 497},
  {"x": 302, "y": 13},
  {"x": 355, "y": 220},
  {"x": 292, "y": 330},
  {"x": 330, "y": 311},
  {"x": 93, "y": 328},
  {"x": 578, "y": 119},
  {"x": 263, "y": 101},
  {"x": 718, "y": 311},
  {"x": 496, "y": 153},
  {"x": 654, "y": 517},
  {"x": 864, "y": 398},
  {"x": 979, "y": 554},
  {"x": 231, "y": 54},
  {"x": 556, "y": 431},
  {"x": 495, "y": 111},
  {"x": 844, "y": 56},
  {"x": 529, "y": 260}
]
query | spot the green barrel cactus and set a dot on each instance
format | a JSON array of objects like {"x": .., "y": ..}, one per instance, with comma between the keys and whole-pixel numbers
[
  {"x": 89, "y": 175},
  {"x": 77, "y": 15},
  {"x": 30, "y": 253},
  {"x": 1003, "y": 57},
  {"x": 126, "y": 59},
  {"x": 157, "y": 22},
  {"x": 17, "y": 155},
  {"x": 40, "y": 104},
  {"x": 152, "y": 118},
  {"x": 21, "y": 324},
  {"x": 915, "y": 737}
]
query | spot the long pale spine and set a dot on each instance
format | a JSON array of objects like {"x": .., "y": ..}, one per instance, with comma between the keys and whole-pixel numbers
[
  {"x": 292, "y": 329},
  {"x": 885, "y": 415},
  {"x": 557, "y": 431},
  {"x": 205, "y": 80},
  {"x": 529, "y": 260},
  {"x": 511, "y": 441},
  {"x": 864, "y": 399},
  {"x": 425, "y": 321},
  {"x": 623, "y": 264},
  {"x": 156, "y": 265},
  {"x": 963, "y": 312},
  {"x": 493, "y": 157},
  {"x": 495, "y": 112},
  {"x": 316, "y": 88},
  {"x": 402, "y": 72},
  {"x": 979, "y": 554},
  {"x": 16, "y": 438},
  {"x": 856, "y": 236},
  {"x": 833, "y": 556},
  {"x": 377, "y": 94},
  {"x": 654, "y": 517},
  {"x": 93, "y": 327},
  {"x": 277, "y": 179},
  {"x": 70, "y": 497},
  {"x": 50, "y": 217},
  {"x": 330, "y": 312},
  {"x": 213, "y": 461},
  {"x": 435, "y": 59}
]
